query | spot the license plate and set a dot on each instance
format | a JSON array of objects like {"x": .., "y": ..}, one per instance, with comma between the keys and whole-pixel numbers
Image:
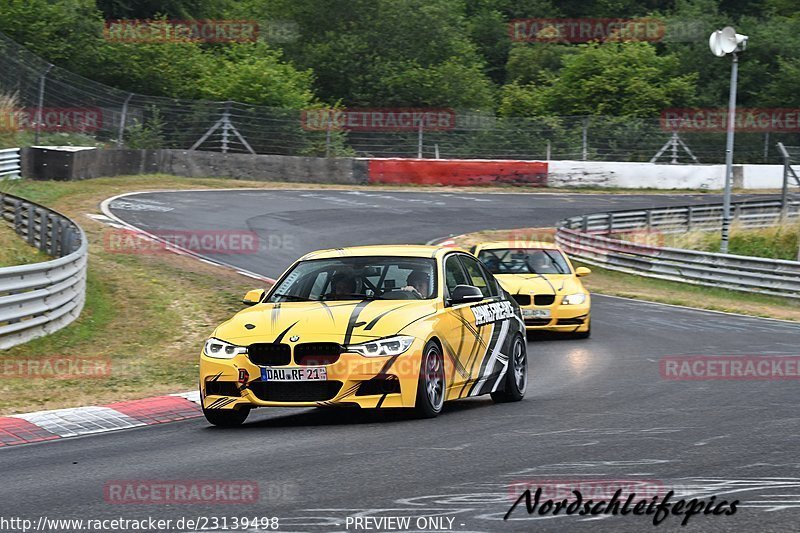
[
  {"x": 537, "y": 313},
  {"x": 308, "y": 373}
]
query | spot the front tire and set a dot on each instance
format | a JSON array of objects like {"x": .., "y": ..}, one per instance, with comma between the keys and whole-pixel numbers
[
  {"x": 226, "y": 418},
  {"x": 431, "y": 386},
  {"x": 516, "y": 379}
]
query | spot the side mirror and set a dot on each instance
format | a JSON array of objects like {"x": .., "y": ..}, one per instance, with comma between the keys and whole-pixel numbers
[
  {"x": 582, "y": 271},
  {"x": 253, "y": 297},
  {"x": 465, "y": 294}
]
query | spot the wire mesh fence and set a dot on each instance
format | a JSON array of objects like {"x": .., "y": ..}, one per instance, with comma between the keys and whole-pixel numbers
[{"x": 60, "y": 104}]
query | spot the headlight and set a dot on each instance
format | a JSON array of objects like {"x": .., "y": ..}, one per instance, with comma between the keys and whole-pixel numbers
[
  {"x": 221, "y": 349},
  {"x": 391, "y": 346},
  {"x": 574, "y": 299}
]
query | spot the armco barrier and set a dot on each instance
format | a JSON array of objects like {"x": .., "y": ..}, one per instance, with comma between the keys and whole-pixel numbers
[
  {"x": 9, "y": 164},
  {"x": 41, "y": 298},
  {"x": 458, "y": 172},
  {"x": 598, "y": 239}
]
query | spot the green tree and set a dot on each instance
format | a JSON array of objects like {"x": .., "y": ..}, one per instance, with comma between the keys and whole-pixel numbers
[
  {"x": 255, "y": 74},
  {"x": 622, "y": 79}
]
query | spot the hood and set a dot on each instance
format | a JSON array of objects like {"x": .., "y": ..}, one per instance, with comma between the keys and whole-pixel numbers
[
  {"x": 344, "y": 322},
  {"x": 536, "y": 284}
]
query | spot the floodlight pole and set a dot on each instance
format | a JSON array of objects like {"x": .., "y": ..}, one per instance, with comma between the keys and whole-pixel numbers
[{"x": 726, "y": 202}]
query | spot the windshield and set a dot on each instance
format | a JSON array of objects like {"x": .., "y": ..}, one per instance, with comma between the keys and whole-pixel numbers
[
  {"x": 524, "y": 261},
  {"x": 358, "y": 278}
]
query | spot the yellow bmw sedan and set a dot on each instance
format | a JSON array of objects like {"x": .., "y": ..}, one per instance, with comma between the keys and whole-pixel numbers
[
  {"x": 372, "y": 327},
  {"x": 541, "y": 278}
]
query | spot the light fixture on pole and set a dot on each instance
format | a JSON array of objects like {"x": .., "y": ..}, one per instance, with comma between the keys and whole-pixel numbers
[{"x": 723, "y": 42}]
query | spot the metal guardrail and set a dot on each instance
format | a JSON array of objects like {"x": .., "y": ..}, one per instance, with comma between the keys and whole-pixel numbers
[
  {"x": 9, "y": 164},
  {"x": 40, "y": 298},
  {"x": 598, "y": 239}
]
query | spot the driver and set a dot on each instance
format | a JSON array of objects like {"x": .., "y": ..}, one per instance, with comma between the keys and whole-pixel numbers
[
  {"x": 343, "y": 284},
  {"x": 540, "y": 262},
  {"x": 417, "y": 281}
]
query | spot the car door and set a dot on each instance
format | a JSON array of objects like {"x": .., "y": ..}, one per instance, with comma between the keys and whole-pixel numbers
[
  {"x": 462, "y": 340},
  {"x": 495, "y": 318}
]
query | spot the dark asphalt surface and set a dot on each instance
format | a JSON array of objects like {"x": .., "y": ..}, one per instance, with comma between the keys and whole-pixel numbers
[{"x": 596, "y": 409}]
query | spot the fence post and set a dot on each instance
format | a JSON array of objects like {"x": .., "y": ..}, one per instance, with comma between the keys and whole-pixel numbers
[
  {"x": 419, "y": 141},
  {"x": 40, "y": 104},
  {"x": 122, "y": 120},
  {"x": 17, "y": 216},
  {"x": 44, "y": 222},
  {"x": 585, "y": 139},
  {"x": 226, "y": 124},
  {"x": 785, "y": 186},
  {"x": 328, "y": 140},
  {"x": 31, "y": 222}
]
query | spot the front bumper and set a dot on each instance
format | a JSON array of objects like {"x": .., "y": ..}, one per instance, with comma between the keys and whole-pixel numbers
[
  {"x": 353, "y": 380},
  {"x": 563, "y": 318}
]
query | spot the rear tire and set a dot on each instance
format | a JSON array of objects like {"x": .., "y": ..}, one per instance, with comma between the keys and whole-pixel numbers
[
  {"x": 516, "y": 380},
  {"x": 431, "y": 386},
  {"x": 226, "y": 418}
]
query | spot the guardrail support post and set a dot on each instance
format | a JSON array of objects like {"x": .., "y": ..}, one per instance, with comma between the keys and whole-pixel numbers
[
  {"x": 689, "y": 218},
  {"x": 31, "y": 222}
]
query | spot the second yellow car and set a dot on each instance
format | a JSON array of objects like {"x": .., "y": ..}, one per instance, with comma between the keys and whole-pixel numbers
[{"x": 543, "y": 281}]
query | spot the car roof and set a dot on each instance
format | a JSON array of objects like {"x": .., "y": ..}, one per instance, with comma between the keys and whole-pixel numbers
[
  {"x": 389, "y": 250},
  {"x": 515, "y": 244}
]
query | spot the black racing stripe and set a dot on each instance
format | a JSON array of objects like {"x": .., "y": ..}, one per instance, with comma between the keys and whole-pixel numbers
[
  {"x": 216, "y": 404},
  {"x": 377, "y": 318},
  {"x": 349, "y": 391},
  {"x": 448, "y": 348},
  {"x": 380, "y": 402},
  {"x": 351, "y": 323},
  {"x": 416, "y": 320},
  {"x": 480, "y": 347},
  {"x": 280, "y": 337},
  {"x": 492, "y": 345},
  {"x": 467, "y": 323},
  {"x": 215, "y": 378},
  {"x": 327, "y": 308},
  {"x": 477, "y": 347}
]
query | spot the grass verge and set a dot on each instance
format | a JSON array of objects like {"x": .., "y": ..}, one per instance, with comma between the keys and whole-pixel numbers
[
  {"x": 778, "y": 242},
  {"x": 613, "y": 283},
  {"x": 146, "y": 314},
  {"x": 15, "y": 251}
]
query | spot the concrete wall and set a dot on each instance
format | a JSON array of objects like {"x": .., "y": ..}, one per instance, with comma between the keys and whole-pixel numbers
[
  {"x": 660, "y": 176},
  {"x": 58, "y": 163},
  {"x": 70, "y": 163},
  {"x": 458, "y": 172}
]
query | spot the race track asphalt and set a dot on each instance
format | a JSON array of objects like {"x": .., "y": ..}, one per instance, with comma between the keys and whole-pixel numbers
[{"x": 596, "y": 409}]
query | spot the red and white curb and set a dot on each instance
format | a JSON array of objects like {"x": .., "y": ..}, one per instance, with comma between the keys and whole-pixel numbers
[{"x": 61, "y": 423}]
